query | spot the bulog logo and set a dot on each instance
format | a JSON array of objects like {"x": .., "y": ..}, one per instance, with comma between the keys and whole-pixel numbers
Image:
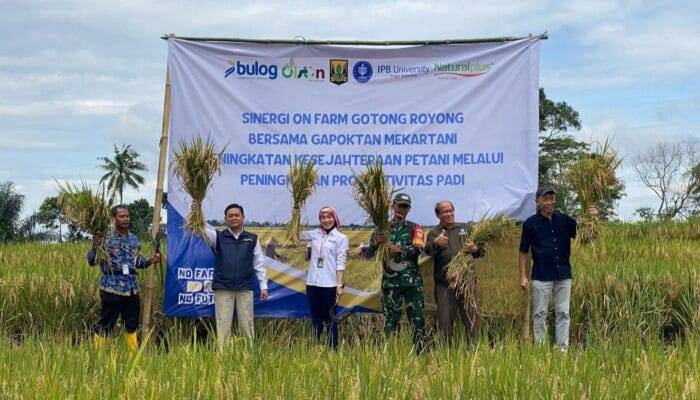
[{"x": 255, "y": 70}]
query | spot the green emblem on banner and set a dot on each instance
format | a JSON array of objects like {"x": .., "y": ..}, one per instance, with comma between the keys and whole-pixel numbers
[{"x": 339, "y": 71}]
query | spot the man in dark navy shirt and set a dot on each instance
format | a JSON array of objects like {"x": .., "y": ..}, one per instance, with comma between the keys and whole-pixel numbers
[{"x": 548, "y": 234}]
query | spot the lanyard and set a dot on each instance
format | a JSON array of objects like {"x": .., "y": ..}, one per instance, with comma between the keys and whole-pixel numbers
[
  {"x": 319, "y": 260},
  {"x": 323, "y": 244}
]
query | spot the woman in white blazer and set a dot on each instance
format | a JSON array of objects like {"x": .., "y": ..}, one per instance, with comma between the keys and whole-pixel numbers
[{"x": 324, "y": 282}]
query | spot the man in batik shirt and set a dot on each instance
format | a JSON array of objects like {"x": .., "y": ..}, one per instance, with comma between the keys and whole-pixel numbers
[{"x": 119, "y": 287}]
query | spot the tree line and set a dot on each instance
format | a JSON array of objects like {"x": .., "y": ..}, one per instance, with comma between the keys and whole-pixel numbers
[{"x": 122, "y": 170}]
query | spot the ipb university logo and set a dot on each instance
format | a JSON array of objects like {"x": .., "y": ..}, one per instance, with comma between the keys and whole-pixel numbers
[
  {"x": 362, "y": 71},
  {"x": 339, "y": 71}
]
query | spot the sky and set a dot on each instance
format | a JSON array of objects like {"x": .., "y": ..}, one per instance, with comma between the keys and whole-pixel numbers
[{"x": 78, "y": 77}]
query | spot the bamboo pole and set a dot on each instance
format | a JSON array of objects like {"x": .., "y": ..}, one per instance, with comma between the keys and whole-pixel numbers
[
  {"x": 543, "y": 36},
  {"x": 147, "y": 313}
]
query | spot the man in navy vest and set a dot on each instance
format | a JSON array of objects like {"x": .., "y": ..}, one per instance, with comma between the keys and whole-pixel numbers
[{"x": 239, "y": 261}]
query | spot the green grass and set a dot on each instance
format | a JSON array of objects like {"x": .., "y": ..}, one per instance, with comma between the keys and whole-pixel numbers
[
  {"x": 301, "y": 370},
  {"x": 635, "y": 334},
  {"x": 640, "y": 278}
]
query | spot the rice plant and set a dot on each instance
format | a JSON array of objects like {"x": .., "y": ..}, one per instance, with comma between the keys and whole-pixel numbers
[
  {"x": 42, "y": 368},
  {"x": 196, "y": 163},
  {"x": 461, "y": 271},
  {"x": 635, "y": 327},
  {"x": 373, "y": 194},
  {"x": 89, "y": 210},
  {"x": 49, "y": 289},
  {"x": 301, "y": 182},
  {"x": 593, "y": 178}
]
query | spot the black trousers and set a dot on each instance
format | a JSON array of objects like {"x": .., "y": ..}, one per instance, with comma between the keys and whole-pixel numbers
[
  {"x": 321, "y": 300},
  {"x": 114, "y": 306}
]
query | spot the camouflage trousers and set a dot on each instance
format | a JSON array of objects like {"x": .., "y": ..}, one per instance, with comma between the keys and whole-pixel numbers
[{"x": 412, "y": 297}]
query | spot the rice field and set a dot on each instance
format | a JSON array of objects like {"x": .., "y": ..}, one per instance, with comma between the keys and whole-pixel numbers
[
  {"x": 635, "y": 334},
  {"x": 43, "y": 368}
]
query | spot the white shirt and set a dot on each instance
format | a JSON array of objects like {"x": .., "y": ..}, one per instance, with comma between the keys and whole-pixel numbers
[
  {"x": 258, "y": 259},
  {"x": 333, "y": 249}
]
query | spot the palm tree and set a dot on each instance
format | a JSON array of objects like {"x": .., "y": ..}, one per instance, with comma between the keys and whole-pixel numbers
[{"x": 122, "y": 170}]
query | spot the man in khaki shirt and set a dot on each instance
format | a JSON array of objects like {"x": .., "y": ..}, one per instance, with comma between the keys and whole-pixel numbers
[{"x": 443, "y": 243}]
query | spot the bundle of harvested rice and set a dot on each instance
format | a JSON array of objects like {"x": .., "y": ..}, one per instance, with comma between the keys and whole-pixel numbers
[
  {"x": 461, "y": 271},
  {"x": 195, "y": 163},
  {"x": 373, "y": 194},
  {"x": 301, "y": 182},
  {"x": 593, "y": 180},
  {"x": 89, "y": 210}
]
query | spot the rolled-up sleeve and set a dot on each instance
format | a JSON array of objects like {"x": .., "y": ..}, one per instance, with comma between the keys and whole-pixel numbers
[
  {"x": 210, "y": 235},
  {"x": 372, "y": 246},
  {"x": 409, "y": 252},
  {"x": 306, "y": 236},
  {"x": 259, "y": 265},
  {"x": 341, "y": 251},
  {"x": 90, "y": 257},
  {"x": 572, "y": 227},
  {"x": 429, "y": 248},
  {"x": 526, "y": 238},
  {"x": 142, "y": 262}
]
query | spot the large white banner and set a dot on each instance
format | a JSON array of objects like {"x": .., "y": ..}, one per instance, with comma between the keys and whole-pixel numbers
[{"x": 456, "y": 122}]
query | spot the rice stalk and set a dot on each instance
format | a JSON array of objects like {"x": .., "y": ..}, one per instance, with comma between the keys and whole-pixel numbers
[
  {"x": 647, "y": 281},
  {"x": 593, "y": 179},
  {"x": 195, "y": 163},
  {"x": 89, "y": 210},
  {"x": 373, "y": 194},
  {"x": 461, "y": 271},
  {"x": 301, "y": 182}
]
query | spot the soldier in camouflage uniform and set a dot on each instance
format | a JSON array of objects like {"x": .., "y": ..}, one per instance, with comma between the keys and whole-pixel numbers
[{"x": 401, "y": 278}]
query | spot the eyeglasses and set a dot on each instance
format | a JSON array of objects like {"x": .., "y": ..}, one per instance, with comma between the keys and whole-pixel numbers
[{"x": 403, "y": 206}]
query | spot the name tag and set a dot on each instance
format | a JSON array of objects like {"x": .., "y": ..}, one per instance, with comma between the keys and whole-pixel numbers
[{"x": 125, "y": 269}]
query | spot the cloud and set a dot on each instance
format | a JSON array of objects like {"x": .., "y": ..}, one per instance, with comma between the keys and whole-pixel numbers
[
  {"x": 140, "y": 126},
  {"x": 631, "y": 141},
  {"x": 77, "y": 107},
  {"x": 146, "y": 191},
  {"x": 680, "y": 111},
  {"x": 86, "y": 75},
  {"x": 20, "y": 142},
  {"x": 629, "y": 43},
  {"x": 139, "y": 123}
]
